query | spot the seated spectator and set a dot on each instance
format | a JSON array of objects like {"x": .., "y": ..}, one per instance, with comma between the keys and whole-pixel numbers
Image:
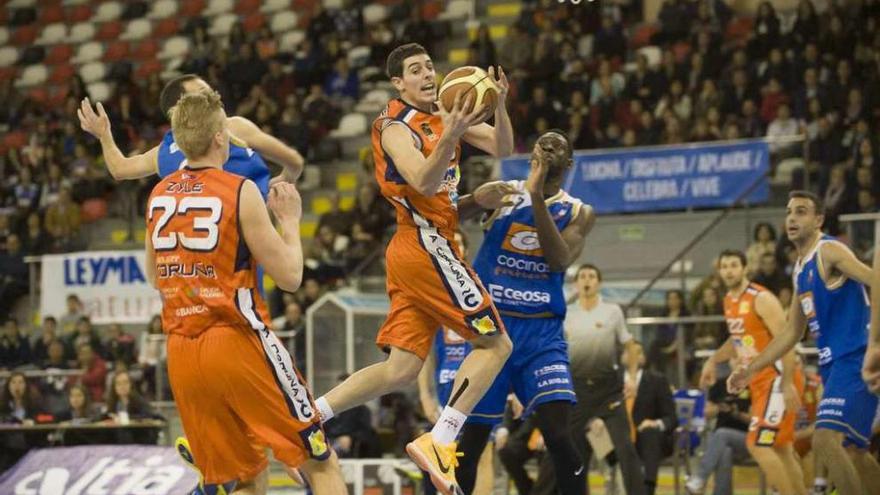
[
  {"x": 674, "y": 22},
  {"x": 643, "y": 83},
  {"x": 373, "y": 213},
  {"x": 256, "y": 99},
  {"x": 310, "y": 292},
  {"x": 325, "y": 258},
  {"x": 267, "y": 45},
  {"x": 48, "y": 334},
  {"x": 663, "y": 349},
  {"x": 335, "y": 218},
  {"x": 120, "y": 346},
  {"x": 708, "y": 335},
  {"x": 85, "y": 334},
  {"x": 56, "y": 356},
  {"x": 351, "y": 433},
  {"x": 767, "y": 32},
  {"x": 763, "y": 242},
  {"x": 784, "y": 125},
  {"x": 322, "y": 113},
  {"x": 94, "y": 371},
  {"x": 709, "y": 97},
  {"x": 806, "y": 24},
  {"x": 677, "y": 101},
  {"x": 35, "y": 238},
  {"x": 278, "y": 84},
  {"x": 27, "y": 192},
  {"x": 292, "y": 321},
  {"x": 72, "y": 316},
  {"x": 13, "y": 274},
  {"x": 726, "y": 444},
  {"x": 609, "y": 41},
  {"x": 515, "y": 53},
  {"x": 15, "y": 349},
  {"x": 63, "y": 219},
  {"x": 615, "y": 80},
  {"x": 79, "y": 408},
  {"x": 770, "y": 275},
  {"x": 54, "y": 387},
  {"x": 651, "y": 411},
  {"x": 19, "y": 404},
  {"x": 125, "y": 404},
  {"x": 342, "y": 82},
  {"x": 151, "y": 353}
]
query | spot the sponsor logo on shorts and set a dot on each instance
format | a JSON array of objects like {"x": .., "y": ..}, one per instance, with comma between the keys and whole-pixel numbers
[
  {"x": 191, "y": 310},
  {"x": 553, "y": 368},
  {"x": 446, "y": 376},
  {"x": 315, "y": 442},
  {"x": 522, "y": 239},
  {"x": 463, "y": 287},
  {"x": 553, "y": 381},
  {"x": 824, "y": 356},
  {"x": 766, "y": 437},
  {"x": 484, "y": 325},
  {"x": 499, "y": 292}
]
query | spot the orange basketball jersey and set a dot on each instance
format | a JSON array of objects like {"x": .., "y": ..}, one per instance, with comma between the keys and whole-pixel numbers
[
  {"x": 749, "y": 333},
  {"x": 204, "y": 270},
  {"x": 414, "y": 209}
]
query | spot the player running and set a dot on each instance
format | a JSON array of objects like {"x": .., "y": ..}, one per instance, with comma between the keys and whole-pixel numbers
[
  {"x": 416, "y": 152},
  {"x": 167, "y": 157},
  {"x": 754, "y": 315},
  {"x": 234, "y": 383},
  {"x": 527, "y": 248},
  {"x": 829, "y": 282}
]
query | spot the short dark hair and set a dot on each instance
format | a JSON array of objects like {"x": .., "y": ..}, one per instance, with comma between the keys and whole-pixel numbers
[
  {"x": 590, "y": 266},
  {"x": 818, "y": 205},
  {"x": 394, "y": 63},
  {"x": 50, "y": 318},
  {"x": 562, "y": 133},
  {"x": 733, "y": 253},
  {"x": 173, "y": 91}
]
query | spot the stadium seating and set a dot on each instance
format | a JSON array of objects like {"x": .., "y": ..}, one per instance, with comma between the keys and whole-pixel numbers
[
  {"x": 52, "y": 33},
  {"x": 271, "y": 6},
  {"x": 163, "y": 9},
  {"x": 93, "y": 72},
  {"x": 176, "y": 46},
  {"x": 88, "y": 52},
  {"x": 32, "y": 75},
  {"x": 79, "y": 33},
  {"x": 216, "y": 7},
  {"x": 283, "y": 21},
  {"x": 351, "y": 125},
  {"x": 8, "y": 56},
  {"x": 107, "y": 11},
  {"x": 221, "y": 25},
  {"x": 137, "y": 29}
]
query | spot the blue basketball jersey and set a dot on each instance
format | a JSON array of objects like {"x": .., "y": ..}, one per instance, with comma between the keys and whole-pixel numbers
[
  {"x": 511, "y": 263},
  {"x": 837, "y": 314},
  {"x": 242, "y": 161}
]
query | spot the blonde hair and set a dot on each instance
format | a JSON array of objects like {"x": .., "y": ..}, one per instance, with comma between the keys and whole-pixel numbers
[{"x": 195, "y": 120}]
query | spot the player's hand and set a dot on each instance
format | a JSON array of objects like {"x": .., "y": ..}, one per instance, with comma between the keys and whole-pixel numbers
[
  {"x": 501, "y": 436},
  {"x": 494, "y": 195},
  {"x": 500, "y": 80},
  {"x": 792, "y": 399},
  {"x": 646, "y": 424},
  {"x": 285, "y": 202},
  {"x": 537, "y": 172},
  {"x": 871, "y": 368},
  {"x": 516, "y": 407},
  {"x": 709, "y": 375},
  {"x": 457, "y": 120},
  {"x": 95, "y": 123},
  {"x": 738, "y": 380}
]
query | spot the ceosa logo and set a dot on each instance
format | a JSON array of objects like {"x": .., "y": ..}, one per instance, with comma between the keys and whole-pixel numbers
[{"x": 522, "y": 239}]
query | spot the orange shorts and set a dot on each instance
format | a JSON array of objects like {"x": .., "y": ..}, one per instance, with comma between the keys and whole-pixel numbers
[
  {"x": 771, "y": 424},
  {"x": 430, "y": 285},
  {"x": 238, "y": 392}
]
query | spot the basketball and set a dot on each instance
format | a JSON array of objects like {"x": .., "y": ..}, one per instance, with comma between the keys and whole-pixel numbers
[{"x": 471, "y": 81}]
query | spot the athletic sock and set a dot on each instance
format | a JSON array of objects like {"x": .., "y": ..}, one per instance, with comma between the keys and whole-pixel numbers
[
  {"x": 446, "y": 429},
  {"x": 324, "y": 409}
]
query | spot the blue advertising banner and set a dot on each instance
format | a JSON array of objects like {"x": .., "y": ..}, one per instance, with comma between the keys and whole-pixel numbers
[
  {"x": 118, "y": 469},
  {"x": 701, "y": 175}
]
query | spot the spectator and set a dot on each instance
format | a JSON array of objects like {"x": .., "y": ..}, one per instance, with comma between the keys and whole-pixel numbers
[
  {"x": 783, "y": 126},
  {"x": 677, "y": 101},
  {"x": 15, "y": 349},
  {"x": 770, "y": 275},
  {"x": 837, "y": 42},
  {"x": 484, "y": 47},
  {"x": 326, "y": 256},
  {"x": 838, "y": 198},
  {"x": 27, "y": 192},
  {"x": 726, "y": 444},
  {"x": 79, "y": 409},
  {"x": 373, "y": 213},
  {"x": 709, "y": 97},
  {"x": 539, "y": 107},
  {"x": 342, "y": 82},
  {"x": 606, "y": 76},
  {"x": 737, "y": 92},
  {"x": 48, "y": 334},
  {"x": 811, "y": 89},
  {"x": 56, "y": 356},
  {"x": 151, "y": 353},
  {"x": 322, "y": 113},
  {"x": 54, "y": 387},
  {"x": 609, "y": 41},
  {"x": 72, "y": 316},
  {"x": 244, "y": 70},
  {"x": 515, "y": 53},
  {"x": 349, "y": 21},
  {"x": 94, "y": 371},
  {"x": 763, "y": 242},
  {"x": 85, "y": 334},
  {"x": 651, "y": 412},
  {"x": 5, "y": 228},
  {"x": 266, "y": 44},
  {"x": 663, "y": 349},
  {"x": 351, "y": 433},
  {"x": 673, "y": 19},
  {"x": 642, "y": 83},
  {"x": 13, "y": 274},
  {"x": 708, "y": 335},
  {"x": 124, "y": 404},
  {"x": 767, "y": 33},
  {"x": 806, "y": 24},
  {"x": 277, "y": 83},
  {"x": 775, "y": 67},
  {"x": 35, "y": 238},
  {"x": 19, "y": 404},
  {"x": 120, "y": 346},
  {"x": 310, "y": 292},
  {"x": 63, "y": 219},
  {"x": 292, "y": 321},
  {"x": 824, "y": 152}
]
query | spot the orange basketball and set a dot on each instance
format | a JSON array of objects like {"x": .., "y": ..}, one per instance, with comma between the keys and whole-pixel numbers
[{"x": 472, "y": 82}]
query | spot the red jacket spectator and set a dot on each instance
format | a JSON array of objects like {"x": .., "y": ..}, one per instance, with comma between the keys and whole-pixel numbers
[{"x": 94, "y": 369}]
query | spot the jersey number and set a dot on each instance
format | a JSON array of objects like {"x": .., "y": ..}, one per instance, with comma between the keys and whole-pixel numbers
[{"x": 207, "y": 224}]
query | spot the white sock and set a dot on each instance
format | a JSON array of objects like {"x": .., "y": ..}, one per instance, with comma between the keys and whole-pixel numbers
[
  {"x": 324, "y": 409},
  {"x": 820, "y": 482},
  {"x": 446, "y": 429}
]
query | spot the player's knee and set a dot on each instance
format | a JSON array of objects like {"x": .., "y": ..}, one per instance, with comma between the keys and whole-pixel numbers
[
  {"x": 826, "y": 441},
  {"x": 502, "y": 345}
]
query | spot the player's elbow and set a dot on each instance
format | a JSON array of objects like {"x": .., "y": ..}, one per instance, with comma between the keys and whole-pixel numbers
[
  {"x": 425, "y": 188},
  {"x": 290, "y": 281}
]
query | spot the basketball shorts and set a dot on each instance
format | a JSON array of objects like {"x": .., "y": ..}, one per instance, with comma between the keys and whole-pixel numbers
[
  {"x": 430, "y": 285},
  {"x": 771, "y": 425},
  {"x": 238, "y": 392},
  {"x": 846, "y": 405},
  {"x": 537, "y": 371}
]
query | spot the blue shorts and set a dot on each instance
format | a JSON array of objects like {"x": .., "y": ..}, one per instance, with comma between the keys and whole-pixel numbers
[
  {"x": 847, "y": 405},
  {"x": 537, "y": 370}
]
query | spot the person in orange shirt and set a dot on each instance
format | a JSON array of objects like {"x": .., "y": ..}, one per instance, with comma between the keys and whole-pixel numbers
[
  {"x": 416, "y": 149},
  {"x": 234, "y": 383},
  {"x": 754, "y": 315}
]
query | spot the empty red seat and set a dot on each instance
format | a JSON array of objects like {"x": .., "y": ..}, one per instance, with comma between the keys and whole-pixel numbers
[
  {"x": 79, "y": 13},
  {"x": 166, "y": 28},
  {"x": 117, "y": 50},
  {"x": 254, "y": 22},
  {"x": 146, "y": 49},
  {"x": 25, "y": 35},
  {"x": 109, "y": 31},
  {"x": 15, "y": 139},
  {"x": 61, "y": 74},
  {"x": 51, "y": 13},
  {"x": 39, "y": 94},
  {"x": 57, "y": 95},
  {"x": 58, "y": 54},
  {"x": 245, "y": 7},
  {"x": 642, "y": 35},
  {"x": 191, "y": 8},
  {"x": 7, "y": 73},
  {"x": 147, "y": 68}
]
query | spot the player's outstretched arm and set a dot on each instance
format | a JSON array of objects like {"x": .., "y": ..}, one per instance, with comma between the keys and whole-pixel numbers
[
  {"x": 121, "y": 167},
  {"x": 497, "y": 140},
  {"x": 268, "y": 146},
  {"x": 837, "y": 257},
  {"x": 280, "y": 254},
  {"x": 489, "y": 196},
  {"x": 426, "y": 174}
]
